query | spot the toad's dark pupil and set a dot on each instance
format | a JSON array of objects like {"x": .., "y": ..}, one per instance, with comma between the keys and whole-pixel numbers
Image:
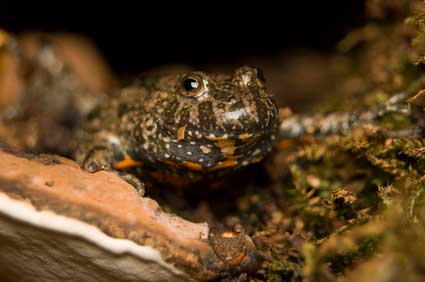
[{"x": 190, "y": 84}]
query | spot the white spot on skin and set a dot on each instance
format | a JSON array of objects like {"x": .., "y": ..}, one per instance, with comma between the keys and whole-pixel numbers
[
  {"x": 166, "y": 155},
  {"x": 200, "y": 160},
  {"x": 189, "y": 153},
  {"x": 179, "y": 145},
  {"x": 234, "y": 115},
  {"x": 167, "y": 146},
  {"x": 205, "y": 150},
  {"x": 149, "y": 122},
  {"x": 246, "y": 79},
  {"x": 256, "y": 152},
  {"x": 114, "y": 140}
]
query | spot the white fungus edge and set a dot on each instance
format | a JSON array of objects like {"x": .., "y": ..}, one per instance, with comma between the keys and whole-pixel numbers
[{"x": 25, "y": 212}]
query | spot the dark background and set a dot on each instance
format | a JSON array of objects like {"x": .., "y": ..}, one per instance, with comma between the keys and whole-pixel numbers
[{"x": 134, "y": 37}]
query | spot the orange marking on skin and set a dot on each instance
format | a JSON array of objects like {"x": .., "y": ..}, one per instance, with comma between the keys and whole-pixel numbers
[
  {"x": 192, "y": 165},
  {"x": 228, "y": 234},
  {"x": 181, "y": 133},
  {"x": 224, "y": 164},
  {"x": 256, "y": 160},
  {"x": 127, "y": 162},
  {"x": 245, "y": 136},
  {"x": 217, "y": 138},
  {"x": 237, "y": 260},
  {"x": 227, "y": 147}
]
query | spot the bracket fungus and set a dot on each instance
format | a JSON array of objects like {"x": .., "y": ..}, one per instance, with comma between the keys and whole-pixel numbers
[{"x": 58, "y": 222}]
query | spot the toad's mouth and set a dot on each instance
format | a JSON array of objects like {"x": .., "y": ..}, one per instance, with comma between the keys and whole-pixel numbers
[{"x": 192, "y": 133}]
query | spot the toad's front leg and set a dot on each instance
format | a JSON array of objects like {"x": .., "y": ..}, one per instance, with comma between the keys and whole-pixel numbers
[{"x": 103, "y": 152}]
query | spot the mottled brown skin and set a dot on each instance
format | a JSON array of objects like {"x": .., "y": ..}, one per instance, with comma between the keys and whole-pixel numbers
[{"x": 182, "y": 128}]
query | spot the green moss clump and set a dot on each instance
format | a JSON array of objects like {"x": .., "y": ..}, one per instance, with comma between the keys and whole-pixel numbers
[{"x": 279, "y": 271}]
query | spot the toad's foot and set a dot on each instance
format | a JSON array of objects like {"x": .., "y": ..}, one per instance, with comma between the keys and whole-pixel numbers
[
  {"x": 132, "y": 180},
  {"x": 94, "y": 163}
]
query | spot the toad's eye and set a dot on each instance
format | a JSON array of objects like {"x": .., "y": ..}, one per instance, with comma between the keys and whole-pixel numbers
[{"x": 190, "y": 84}]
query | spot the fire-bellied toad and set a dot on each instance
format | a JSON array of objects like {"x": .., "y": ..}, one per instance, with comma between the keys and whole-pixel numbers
[{"x": 182, "y": 127}]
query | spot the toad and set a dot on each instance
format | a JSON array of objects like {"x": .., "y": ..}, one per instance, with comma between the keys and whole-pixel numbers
[{"x": 182, "y": 128}]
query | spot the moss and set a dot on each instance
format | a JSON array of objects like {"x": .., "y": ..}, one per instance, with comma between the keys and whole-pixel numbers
[
  {"x": 395, "y": 121},
  {"x": 366, "y": 248},
  {"x": 282, "y": 272},
  {"x": 353, "y": 198}
]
